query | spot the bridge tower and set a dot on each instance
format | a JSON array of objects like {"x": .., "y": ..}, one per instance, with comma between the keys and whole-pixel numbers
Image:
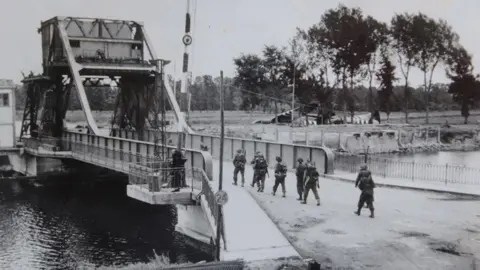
[{"x": 75, "y": 51}]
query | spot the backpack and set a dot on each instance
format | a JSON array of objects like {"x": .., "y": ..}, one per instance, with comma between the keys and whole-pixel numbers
[
  {"x": 261, "y": 164},
  {"x": 239, "y": 163}
]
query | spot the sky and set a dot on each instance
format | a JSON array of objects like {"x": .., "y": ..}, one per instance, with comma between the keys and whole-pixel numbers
[{"x": 223, "y": 29}]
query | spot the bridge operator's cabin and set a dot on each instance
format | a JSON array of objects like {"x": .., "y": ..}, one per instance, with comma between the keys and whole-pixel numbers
[{"x": 7, "y": 114}]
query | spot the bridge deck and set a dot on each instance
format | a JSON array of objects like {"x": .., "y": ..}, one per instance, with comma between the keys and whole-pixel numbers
[{"x": 250, "y": 234}]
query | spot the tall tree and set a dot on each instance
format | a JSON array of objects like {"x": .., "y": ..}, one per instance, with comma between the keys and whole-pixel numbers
[
  {"x": 402, "y": 30},
  {"x": 274, "y": 66},
  {"x": 345, "y": 31},
  {"x": 433, "y": 40},
  {"x": 465, "y": 87},
  {"x": 377, "y": 40},
  {"x": 386, "y": 76},
  {"x": 250, "y": 76}
]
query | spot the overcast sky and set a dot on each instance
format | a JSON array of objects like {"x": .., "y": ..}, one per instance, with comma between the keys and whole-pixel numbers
[{"x": 223, "y": 28}]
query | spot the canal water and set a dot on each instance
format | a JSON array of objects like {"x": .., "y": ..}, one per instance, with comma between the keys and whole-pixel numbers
[
  {"x": 72, "y": 224},
  {"x": 462, "y": 158}
]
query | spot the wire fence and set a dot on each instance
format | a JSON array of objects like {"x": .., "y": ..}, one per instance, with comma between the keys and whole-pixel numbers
[{"x": 454, "y": 174}]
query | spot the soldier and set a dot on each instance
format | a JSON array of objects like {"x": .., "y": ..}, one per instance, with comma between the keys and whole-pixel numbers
[
  {"x": 311, "y": 182},
  {"x": 178, "y": 166},
  {"x": 364, "y": 172},
  {"x": 280, "y": 175},
  {"x": 260, "y": 170},
  {"x": 239, "y": 163},
  {"x": 300, "y": 173},
  {"x": 254, "y": 160},
  {"x": 366, "y": 185}
]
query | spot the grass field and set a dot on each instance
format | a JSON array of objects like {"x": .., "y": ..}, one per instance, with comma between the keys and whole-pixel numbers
[{"x": 239, "y": 122}]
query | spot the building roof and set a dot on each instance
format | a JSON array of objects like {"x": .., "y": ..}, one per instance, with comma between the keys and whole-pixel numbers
[{"x": 4, "y": 83}]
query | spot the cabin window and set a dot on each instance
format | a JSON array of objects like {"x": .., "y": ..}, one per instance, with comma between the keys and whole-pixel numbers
[
  {"x": 4, "y": 100},
  {"x": 75, "y": 43}
]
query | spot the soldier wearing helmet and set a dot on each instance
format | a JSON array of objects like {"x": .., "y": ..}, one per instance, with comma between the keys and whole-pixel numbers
[
  {"x": 239, "y": 163},
  {"x": 255, "y": 157},
  {"x": 300, "y": 173},
  {"x": 311, "y": 182},
  {"x": 365, "y": 183},
  {"x": 280, "y": 175},
  {"x": 260, "y": 169}
]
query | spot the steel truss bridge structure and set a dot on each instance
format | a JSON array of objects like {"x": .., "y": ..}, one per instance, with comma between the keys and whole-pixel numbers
[{"x": 75, "y": 51}]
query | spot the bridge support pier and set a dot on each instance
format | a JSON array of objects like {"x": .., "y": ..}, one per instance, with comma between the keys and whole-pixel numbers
[
  {"x": 192, "y": 222},
  {"x": 34, "y": 166}
]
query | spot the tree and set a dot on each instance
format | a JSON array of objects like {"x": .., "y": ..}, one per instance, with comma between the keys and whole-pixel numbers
[
  {"x": 433, "y": 40},
  {"x": 465, "y": 87},
  {"x": 386, "y": 76},
  {"x": 345, "y": 31},
  {"x": 274, "y": 66},
  {"x": 377, "y": 41},
  {"x": 250, "y": 76},
  {"x": 401, "y": 30}
]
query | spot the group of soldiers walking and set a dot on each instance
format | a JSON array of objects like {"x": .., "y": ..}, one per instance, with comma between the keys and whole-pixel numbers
[{"x": 307, "y": 178}]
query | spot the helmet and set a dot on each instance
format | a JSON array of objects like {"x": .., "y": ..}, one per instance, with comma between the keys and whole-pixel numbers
[
  {"x": 300, "y": 159},
  {"x": 239, "y": 151},
  {"x": 363, "y": 167},
  {"x": 279, "y": 159},
  {"x": 258, "y": 153}
]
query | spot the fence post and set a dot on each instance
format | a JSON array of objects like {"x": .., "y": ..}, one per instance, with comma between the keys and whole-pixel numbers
[
  {"x": 446, "y": 173},
  {"x": 385, "y": 169},
  {"x": 413, "y": 171}
]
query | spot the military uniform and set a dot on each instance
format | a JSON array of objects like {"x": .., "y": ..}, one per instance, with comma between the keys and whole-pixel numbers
[
  {"x": 366, "y": 185},
  {"x": 260, "y": 170},
  {"x": 280, "y": 175},
  {"x": 300, "y": 173},
  {"x": 364, "y": 172},
  {"x": 254, "y": 178},
  {"x": 239, "y": 163},
  {"x": 311, "y": 183}
]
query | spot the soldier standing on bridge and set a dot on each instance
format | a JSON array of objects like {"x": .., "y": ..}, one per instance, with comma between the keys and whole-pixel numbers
[
  {"x": 239, "y": 163},
  {"x": 280, "y": 175},
  {"x": 253, "y": 162},
  {"x": 260, "y": 170},
  {"x": 300, "y": 173},
  {"x": 178, "y": 166},
  {"x": 311, "y": 182},
  {"x": 366, "y": 185}
]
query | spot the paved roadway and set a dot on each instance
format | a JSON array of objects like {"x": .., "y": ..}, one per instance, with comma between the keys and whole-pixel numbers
[{"x": 407, "y": 232}]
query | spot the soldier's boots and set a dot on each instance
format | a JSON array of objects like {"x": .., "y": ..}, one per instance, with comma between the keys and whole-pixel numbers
[
  {"x": 243, "y": 184},
  {"x": 235, "y": 183},
  {"x": 358, "y": 211},
  {"x": 284, "y": 195},
  {"x": 318, "y": 202},
  {"x": 299, "y": 198},
  {"x": 372, "y": 213}
]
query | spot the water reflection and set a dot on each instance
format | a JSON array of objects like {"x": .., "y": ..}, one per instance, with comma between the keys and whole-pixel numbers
[{"x": 68, "y": 224}]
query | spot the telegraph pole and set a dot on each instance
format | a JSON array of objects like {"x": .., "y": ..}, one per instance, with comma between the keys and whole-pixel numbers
[{"x": 220, "y": 176}]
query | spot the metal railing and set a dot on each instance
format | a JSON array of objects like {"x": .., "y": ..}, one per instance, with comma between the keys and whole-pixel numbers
[
  {"x": 49, "y": 143},
  {"x": 289, "y": 152},
  {"x": 155, "y": 179},
  {"x": 388, "y": 168}
]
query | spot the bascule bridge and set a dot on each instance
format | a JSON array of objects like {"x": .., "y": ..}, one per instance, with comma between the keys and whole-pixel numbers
[
  {"x": 79, "y": 51},
  {"x": 76, "y": 52}
]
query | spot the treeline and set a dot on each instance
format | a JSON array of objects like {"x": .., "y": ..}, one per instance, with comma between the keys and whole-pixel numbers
[
  {"x": 347, "y": 62},
  {"x": 329, "y": 61}
]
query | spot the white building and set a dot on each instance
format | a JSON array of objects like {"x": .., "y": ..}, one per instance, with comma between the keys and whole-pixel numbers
[{"x": 7, "y": 113}]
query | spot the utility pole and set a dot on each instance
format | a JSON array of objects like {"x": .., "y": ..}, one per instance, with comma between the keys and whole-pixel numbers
[
  {"x": 220, "y": 176},
  {"x": 293, "y": 90}
]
